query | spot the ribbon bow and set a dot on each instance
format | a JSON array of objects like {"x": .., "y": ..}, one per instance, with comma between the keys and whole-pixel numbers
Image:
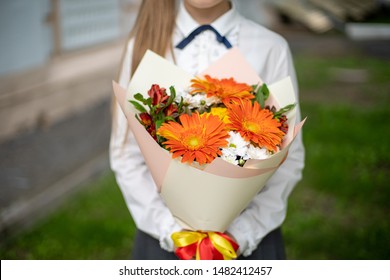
[
  {"x": 221, "y": 39},
  {"x": 204, "y": 245}
]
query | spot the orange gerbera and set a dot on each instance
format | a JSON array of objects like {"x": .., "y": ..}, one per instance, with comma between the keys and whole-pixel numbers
[
  {"x": 228, "y": 90},
  {"x": 198, "y": 137},
  {"x": 255, "y": 124}
]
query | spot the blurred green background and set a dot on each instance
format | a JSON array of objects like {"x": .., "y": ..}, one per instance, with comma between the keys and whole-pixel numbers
[{"x": 340, "y": 210}]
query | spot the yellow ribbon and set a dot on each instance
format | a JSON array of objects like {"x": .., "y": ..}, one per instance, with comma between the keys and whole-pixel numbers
[
  {"x": 223, "y": 246},
  {"x": 185, "y": 238}
]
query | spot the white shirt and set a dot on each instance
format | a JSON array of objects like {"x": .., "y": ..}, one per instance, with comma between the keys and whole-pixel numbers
[{"x": 269, "y": 55}]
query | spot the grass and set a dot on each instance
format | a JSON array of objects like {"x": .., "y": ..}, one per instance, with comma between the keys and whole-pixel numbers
[
  {"x": 94, "y": 224},
  {"x": 338, "y": 211}
]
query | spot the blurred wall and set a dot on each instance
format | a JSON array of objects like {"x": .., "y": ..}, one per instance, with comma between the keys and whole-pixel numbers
[
  {"x": 47, "y": 45},
  {"x": 257, "y": 10},
  {"x": 25, "y": 36},
  {"x": 58, "y": 58}
]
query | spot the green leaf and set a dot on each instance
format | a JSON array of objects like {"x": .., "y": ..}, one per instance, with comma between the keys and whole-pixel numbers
[
  {"x": 180, "y": 106},
  {"x": 283, "y": 110},
  {"x": 254, "y": 88},
  {"x": 265, "y": 91},
  {"x": 159, "y": 123},
  {"x": 170, "y": 118},
  {"x": 148, "y": 102},
  {"x": 262, "y": 94},
  {"x": 139, "y": 97},
  {"x": 260, "y": 98},
  {"x": 172, "y": 97},
  {"x": 138, "y": 106}
]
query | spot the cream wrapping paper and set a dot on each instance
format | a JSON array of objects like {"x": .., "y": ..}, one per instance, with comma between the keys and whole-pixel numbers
[{"x": 204, "y": 198}]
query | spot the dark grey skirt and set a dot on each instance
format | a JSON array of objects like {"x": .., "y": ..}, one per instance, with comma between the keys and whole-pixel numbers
[{"x": 147, "y": 248}]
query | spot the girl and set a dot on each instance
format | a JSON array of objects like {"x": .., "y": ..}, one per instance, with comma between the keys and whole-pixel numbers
[{"x": 177, "y": 36}]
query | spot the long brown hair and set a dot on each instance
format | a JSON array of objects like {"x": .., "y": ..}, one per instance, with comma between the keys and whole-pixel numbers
[{"x": 152, "y": 30}]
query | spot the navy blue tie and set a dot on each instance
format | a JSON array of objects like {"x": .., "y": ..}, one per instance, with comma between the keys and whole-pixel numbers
[{"x": 199, "y": 30}]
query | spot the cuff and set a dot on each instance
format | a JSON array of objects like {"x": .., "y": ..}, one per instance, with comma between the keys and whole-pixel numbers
[
  {"x": 240, "y": 229},
  {"x": 166, "y": 241}
]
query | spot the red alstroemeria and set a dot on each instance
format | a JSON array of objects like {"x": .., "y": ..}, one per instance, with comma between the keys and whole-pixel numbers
[
  {"x": 146, "y": 119},
  {"x": 152, "y": 131},
  {"x": 170, "y": 110},
  {"x": 158, "y": 95},
  {"x": 283, "y": 124}
]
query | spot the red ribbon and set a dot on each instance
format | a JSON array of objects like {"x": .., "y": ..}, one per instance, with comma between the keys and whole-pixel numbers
[{"x": 205, "y": 248}]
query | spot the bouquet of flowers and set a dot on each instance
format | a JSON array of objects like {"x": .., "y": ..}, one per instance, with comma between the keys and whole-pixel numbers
[
  {"x": 213, "y": 118},
  {"x": 211, "y": 143}
]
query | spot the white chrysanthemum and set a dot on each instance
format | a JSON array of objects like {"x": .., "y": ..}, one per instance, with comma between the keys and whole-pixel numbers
[
  {"x": 201, "y": 101},
  {"x": 237, "y": 143},
  {"x": 212, "y": 100},
  {"x": 257, "y": 153},
  {"x": 237, "y": 147},
  {"x": 229, "y": 156},
  {"x": 183, "y": 93},
  {"x": 197, "y": 101}
]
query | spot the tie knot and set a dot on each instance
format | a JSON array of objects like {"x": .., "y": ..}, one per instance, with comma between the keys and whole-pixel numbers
[{"x": 200, "y": 29}]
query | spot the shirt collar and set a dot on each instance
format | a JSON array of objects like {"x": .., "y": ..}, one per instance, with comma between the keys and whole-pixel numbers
[{"x": 225, "y": 23}]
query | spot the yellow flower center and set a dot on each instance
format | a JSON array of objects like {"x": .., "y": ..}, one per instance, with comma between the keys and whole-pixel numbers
[
  {"x": 193, "y": 142},
  {"x": 251, "y": 126}
]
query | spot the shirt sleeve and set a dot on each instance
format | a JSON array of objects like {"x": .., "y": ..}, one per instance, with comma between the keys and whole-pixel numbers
[
  {"x": 267, "y": 210},
  {"x": 133, "y": 177}
]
